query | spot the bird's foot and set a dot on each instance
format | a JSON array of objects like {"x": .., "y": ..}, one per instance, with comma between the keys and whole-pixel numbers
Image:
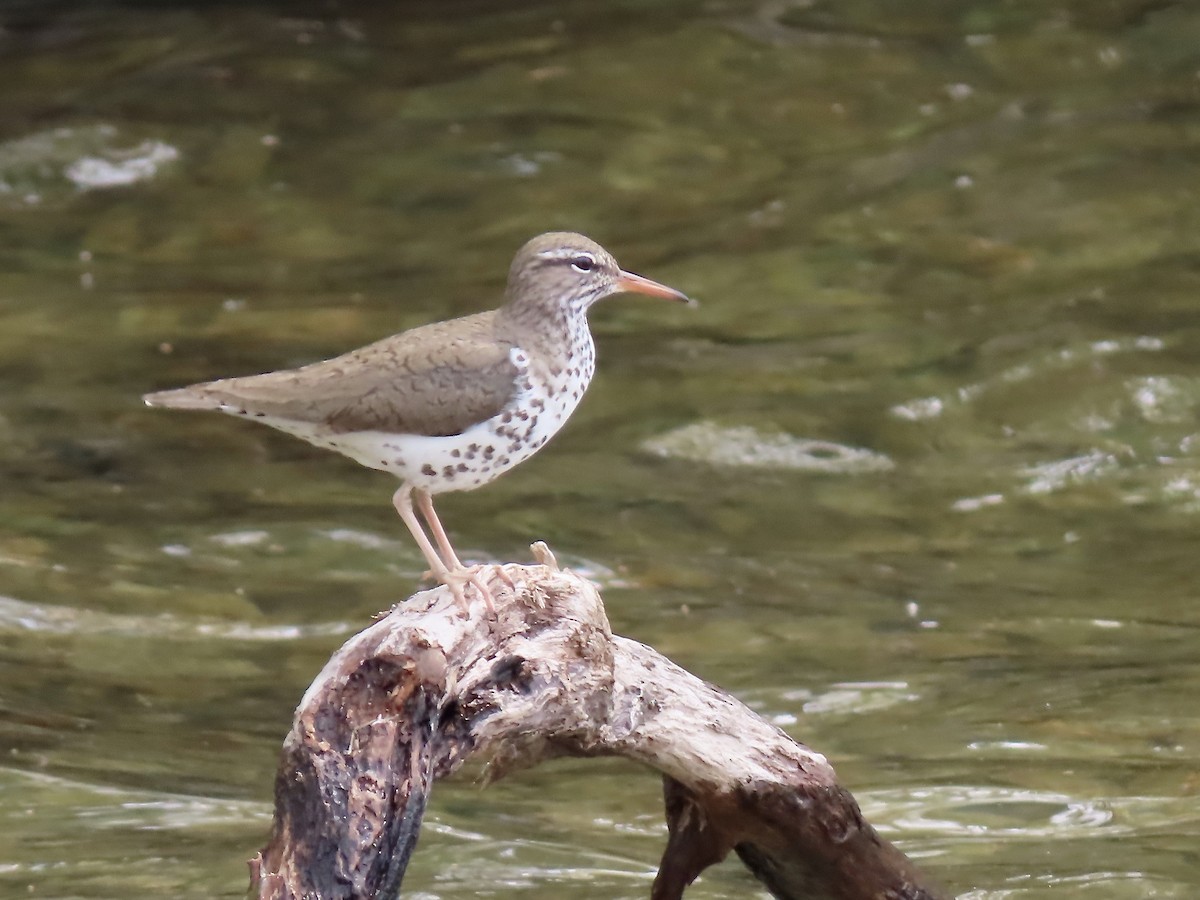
[
  {"x": 485, "y": 575},
  {"x": 499, "y": 573},
  {"x": 458, "y": 580}
]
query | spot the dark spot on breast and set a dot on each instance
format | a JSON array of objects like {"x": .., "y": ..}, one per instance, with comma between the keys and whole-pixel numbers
[
  {"x": 474, "y": 448},
  {"x": 242, "y": 412},
  {"x": 428, "y": 470},
  {"x": 456, "y": 453},
  {"x": 503, "y": 461},
  {"x": 448, "y": 472},
  {"x": 260, "y": 415},
  {"x": 461, "y": 467},
  {"x": 384, "y": 463},
  {"x": 488, "y": 451}
]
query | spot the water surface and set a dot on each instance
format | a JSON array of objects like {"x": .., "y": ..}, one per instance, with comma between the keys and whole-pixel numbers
[{"x": 920, "y": 480}]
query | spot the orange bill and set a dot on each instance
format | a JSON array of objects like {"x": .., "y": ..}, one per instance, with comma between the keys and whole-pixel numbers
[{"x": 636, "y": 284}]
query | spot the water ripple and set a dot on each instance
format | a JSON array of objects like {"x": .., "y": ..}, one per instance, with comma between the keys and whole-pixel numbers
[
  {"x": 20, "y": 616},
  {"x": 993, "y": 812},
  {"x": 923, "y": 408},
  {"x": 104, "y": 806}
]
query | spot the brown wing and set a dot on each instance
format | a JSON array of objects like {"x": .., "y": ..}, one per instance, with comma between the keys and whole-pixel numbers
[{"x": 438, "y": 379}]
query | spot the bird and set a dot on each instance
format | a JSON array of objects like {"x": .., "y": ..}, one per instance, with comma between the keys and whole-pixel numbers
[{"x": 451, "y": 405}]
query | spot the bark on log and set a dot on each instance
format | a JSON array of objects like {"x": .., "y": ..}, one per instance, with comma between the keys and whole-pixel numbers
[{"x": 406, "y": 701}]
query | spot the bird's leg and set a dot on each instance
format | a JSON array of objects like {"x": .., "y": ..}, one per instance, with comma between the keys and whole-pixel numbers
[
  {"x": 450, "y": 559},
  {"x": 402, "y": 500},
  {"x": 425, "y": 505}
]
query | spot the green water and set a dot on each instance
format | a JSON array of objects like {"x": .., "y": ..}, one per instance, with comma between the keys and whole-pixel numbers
[{"x": 961, "y": 238}]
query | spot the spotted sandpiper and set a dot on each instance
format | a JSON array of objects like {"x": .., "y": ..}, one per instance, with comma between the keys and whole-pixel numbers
[{"x": 451, "y": 405}]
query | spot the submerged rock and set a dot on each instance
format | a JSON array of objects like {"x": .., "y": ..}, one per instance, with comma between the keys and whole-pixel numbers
[
  {"x": 52, "y": 166},
  {"x": 749, "y": 447}
]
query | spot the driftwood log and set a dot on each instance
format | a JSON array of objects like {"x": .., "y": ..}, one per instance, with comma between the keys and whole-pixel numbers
[{"x": 406, "y": 701}]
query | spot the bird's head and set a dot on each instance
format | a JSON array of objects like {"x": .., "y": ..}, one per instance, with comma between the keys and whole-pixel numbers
[{"x": 566, "y": 272}]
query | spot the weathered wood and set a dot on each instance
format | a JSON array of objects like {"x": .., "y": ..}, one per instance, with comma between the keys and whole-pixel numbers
[{"x": 406, "y": 701}]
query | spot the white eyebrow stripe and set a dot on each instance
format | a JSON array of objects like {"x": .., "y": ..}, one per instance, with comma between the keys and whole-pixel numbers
[{"x": 566, "y": 253}]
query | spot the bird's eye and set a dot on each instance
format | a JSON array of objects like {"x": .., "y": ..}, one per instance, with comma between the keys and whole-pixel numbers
[{"x": 583, "y": 263}]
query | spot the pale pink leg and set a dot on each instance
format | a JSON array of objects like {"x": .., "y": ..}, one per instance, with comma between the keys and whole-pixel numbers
[
  {"x": 425, "y": 505},
  {"x": 449, "y": 557},
  {"x": 498, "y": 572},
  {"x": 402, "y": 500}
]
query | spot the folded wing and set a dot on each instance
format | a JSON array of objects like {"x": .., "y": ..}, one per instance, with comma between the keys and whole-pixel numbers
[{"x": 435, "y": 380}]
